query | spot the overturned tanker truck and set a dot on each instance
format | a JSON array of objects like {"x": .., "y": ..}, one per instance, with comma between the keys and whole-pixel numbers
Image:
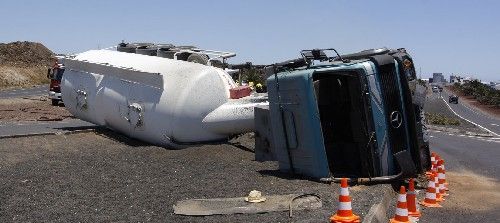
[
  {"x": 355, "y": 116},
  {"x": 164, "y": 95}
]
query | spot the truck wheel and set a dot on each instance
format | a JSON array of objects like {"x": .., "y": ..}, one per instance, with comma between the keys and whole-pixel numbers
[
  {"x": 55, "y": 102},
  {"x": 198, "y": 58},
  {"x": 183, "y": 56}
]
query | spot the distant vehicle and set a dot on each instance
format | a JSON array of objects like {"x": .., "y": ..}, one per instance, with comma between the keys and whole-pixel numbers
[
  {"x": 55, "y": 74},
  {"x": 435, "y": 89},
  {"x": 453, "y": 99},
  {"x": 440, "y": 89}
]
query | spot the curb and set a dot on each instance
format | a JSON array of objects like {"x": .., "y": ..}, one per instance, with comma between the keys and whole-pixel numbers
[
  {"x": 378, "y": 212},
  {"x": 48, "y": 133},
  {"x": 452, "y": 130}
]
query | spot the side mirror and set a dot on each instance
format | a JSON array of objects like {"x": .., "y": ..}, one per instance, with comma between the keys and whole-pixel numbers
[{"x": 50, "y": 73}]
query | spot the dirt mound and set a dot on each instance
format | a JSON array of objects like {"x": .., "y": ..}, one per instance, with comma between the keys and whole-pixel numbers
[
  {"x": 24, "y": 64},
  {"x": 25, "y": 54}
]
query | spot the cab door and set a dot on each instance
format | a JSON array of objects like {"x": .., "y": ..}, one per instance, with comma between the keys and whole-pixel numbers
[{"x": 296, "y": 124}]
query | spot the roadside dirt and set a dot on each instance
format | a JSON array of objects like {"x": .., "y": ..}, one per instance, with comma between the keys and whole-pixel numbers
[
  {"x": 473, "y": 103},
  {"x": 471, "y": 195},
  {"x": 31, "y": 109}
]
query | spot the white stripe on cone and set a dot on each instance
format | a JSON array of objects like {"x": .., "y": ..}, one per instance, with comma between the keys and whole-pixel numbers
[
  {"x": 401, "y": 212},
  {"x": 431, "y": 184},
  {"x": 402, "y": 198},
  {"x": 345, "y": 206},
  {"x": 431, "y": 196},
  {"x": 344, "y": 191}
]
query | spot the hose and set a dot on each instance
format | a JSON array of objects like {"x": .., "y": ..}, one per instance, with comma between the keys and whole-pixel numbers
[{"x": 364, "y": 180}]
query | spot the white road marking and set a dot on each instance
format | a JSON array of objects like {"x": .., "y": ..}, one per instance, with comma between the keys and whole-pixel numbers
[
  {"x": 494, "y": 124},
  {"x": 486, "y": 139},
  {"x": 480, "y": 126},
  {"x": 477, "y": 112}
]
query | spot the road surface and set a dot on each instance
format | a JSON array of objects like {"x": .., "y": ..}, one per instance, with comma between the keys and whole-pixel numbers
[
  {"x": 24, "y": 92},
  {"x": 488, "y": 122},
  {"x": 472, "y": 172}
]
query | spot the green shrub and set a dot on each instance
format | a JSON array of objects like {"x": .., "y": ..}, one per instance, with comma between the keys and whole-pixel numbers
[
  {"x": 483, "y": 93},
  {"x": 438, "y": 119}
]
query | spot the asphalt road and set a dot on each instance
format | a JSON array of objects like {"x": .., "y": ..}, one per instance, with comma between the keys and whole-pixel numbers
[
  {"x": 24, "y": 92},
  {"x": 472, "y": 172},
  {"x": 486, "y": 121},
  {"x": 478, "y": 154}
]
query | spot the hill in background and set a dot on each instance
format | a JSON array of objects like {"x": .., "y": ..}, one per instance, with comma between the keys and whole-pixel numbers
[{"x": 24, "y": 64}]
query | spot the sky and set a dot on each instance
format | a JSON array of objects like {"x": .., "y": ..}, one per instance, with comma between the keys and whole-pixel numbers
[{"x": 451, "y": 37}]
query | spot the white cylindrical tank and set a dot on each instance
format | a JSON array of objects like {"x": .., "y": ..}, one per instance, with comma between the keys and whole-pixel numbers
[{"x": 159, "y": 100}]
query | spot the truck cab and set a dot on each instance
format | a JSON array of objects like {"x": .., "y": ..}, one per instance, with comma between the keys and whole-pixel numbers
[
  {"x": 332, "y": 117},
  {"x": 55, "y": 74}
]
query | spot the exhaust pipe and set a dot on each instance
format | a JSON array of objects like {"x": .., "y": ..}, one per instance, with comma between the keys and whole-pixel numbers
[{"x": 405, "y": 163}]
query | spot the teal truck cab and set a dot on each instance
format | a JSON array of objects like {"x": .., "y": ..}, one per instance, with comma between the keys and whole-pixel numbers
[{"x": 341, "y": 116}]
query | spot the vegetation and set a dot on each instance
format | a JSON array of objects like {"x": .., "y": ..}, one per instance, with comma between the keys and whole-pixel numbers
[
  {"x": 438, "y": 119},
  {"x": 253, "y": 75},
  {"x": 481, "y": 92}
]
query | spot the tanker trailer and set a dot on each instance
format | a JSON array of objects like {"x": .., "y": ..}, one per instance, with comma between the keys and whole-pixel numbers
[{"x": 162, "y": 101}]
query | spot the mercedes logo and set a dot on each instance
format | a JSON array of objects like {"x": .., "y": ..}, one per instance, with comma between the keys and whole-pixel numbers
[{"x": 396, "y": 119}]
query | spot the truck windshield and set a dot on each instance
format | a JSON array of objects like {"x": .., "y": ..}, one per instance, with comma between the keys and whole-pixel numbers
[{"x": 58, "y": 73}]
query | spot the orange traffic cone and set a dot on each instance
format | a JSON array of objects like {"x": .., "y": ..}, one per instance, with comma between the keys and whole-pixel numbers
[
  {"x": 344, "y": 213},
  {"x": 442, "y": 189},
  {"x": 433, "y": 161},
  {"x": 444, "y": 176},
  {"x": 438, "y": 157},
  {"x": 411, "y": 198},
  {"x": 439, "y": 197},
  {"x": 401, "y": 215},
  {"x": 430, "y": 196}
]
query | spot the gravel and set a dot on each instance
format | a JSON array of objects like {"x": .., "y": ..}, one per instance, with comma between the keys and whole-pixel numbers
[{"x": 103, "y": 177}]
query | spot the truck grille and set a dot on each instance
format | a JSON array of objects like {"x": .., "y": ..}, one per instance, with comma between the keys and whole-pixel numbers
[{"x": 390, "y": 93}]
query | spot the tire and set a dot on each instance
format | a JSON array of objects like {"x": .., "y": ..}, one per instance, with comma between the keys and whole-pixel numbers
[
  {"x": 198, "y": 58},
  {"x": 55, "y": 102},
  {"x": 183, "y": 56},
  {"x": 217, "y": 63}
]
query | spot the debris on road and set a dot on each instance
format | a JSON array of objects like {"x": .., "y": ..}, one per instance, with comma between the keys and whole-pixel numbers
[
  {"x": 31, "y": 109},
  {"x": 246, "y": 205}
]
